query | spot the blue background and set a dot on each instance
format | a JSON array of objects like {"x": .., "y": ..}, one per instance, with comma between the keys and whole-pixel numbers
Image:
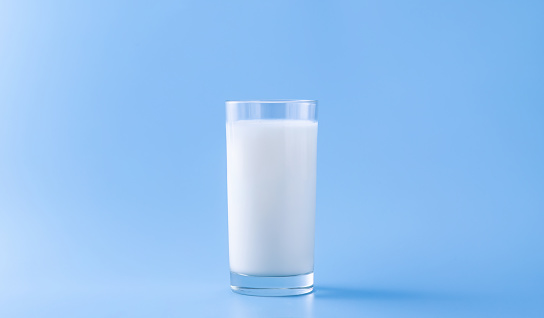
[{"x": 113, "y": 161}]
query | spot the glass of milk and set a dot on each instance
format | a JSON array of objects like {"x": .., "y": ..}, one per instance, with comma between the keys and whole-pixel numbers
[{"x": 271, "y": 172}]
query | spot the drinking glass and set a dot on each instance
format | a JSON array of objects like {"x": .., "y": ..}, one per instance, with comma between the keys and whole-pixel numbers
[{"x": 271, "y": 173}]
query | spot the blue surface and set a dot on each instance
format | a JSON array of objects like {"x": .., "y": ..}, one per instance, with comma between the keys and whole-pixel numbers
[{"x": 113, "y": 165}]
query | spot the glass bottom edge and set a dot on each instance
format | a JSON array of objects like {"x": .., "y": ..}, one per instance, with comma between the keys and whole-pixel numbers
[{"x": 272, "y": 285}]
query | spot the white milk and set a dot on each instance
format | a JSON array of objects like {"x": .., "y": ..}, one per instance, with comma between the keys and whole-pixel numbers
[{"x": 271, "y": 196}]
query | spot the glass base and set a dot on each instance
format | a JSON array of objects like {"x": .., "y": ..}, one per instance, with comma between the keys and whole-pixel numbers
[{"x": 272, "y": 285}]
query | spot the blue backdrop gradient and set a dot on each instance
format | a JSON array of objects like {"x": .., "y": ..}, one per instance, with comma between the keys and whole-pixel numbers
[{"x": 113, "y": 158}]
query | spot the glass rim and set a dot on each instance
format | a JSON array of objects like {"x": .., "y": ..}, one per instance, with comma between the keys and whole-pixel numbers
[{"x": 271, "y": 101}]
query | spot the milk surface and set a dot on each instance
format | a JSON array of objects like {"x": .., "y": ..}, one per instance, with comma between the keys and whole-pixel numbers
[{"x": 271, "y": 170}]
